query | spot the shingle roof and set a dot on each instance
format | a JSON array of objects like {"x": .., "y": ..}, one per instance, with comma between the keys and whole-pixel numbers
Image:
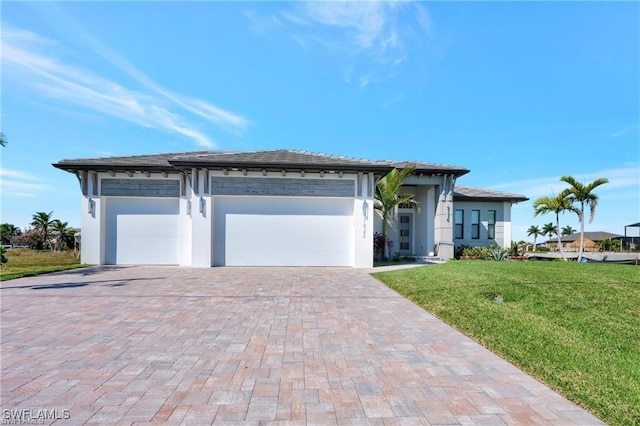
[
  {"x": 271, "y": 159},
  {"x": 145, "y": 162},
  {"x": 593, "y": 236},
  {"x": 467, "y": 193}
]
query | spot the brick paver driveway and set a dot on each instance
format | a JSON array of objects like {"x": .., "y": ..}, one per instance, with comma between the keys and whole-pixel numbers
[{"x": 254, "y": 345}]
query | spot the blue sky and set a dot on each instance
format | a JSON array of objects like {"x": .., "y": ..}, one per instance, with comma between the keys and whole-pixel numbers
[{"x": 520, "y": 93}]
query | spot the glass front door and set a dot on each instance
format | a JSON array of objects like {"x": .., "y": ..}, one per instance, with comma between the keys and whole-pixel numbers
[{"x": 406, "y": 233}]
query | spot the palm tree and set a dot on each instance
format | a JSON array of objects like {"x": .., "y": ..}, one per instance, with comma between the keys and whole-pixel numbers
[
  {"x": 3, "y": 139},
  {"x": 549, "y": 229},
  {"x": 61, "y": 229},
  {"x": 535, "y": 231},
  {"x": 388, "y": 197},
  {"x": 42, "y": 222},
  {"x": 556, "y": 205},
  {"x": 567, "y": 230},
  {"x": 581, "y": 194}
]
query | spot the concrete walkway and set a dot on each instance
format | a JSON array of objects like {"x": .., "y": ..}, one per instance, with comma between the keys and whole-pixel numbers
[{"x": 250, "y": 346}]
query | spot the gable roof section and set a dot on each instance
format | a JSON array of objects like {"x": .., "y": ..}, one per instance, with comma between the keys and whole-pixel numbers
[
  {"x": 282, "y": 159},
  {"x": 467, "y": 193}
]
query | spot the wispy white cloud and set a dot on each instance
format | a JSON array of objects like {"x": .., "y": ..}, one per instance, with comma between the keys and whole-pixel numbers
[
  {"x": 367, "y": 78},
  {"x": 364, "y": 22},
  {"x": 24, "y": 52},
  {"x": 226, "y": 120},
  {"x": 376, "y": 30},
  {"x": 623, "y": 131},
  {"x": 16, "y": 174},
  {"x": 21, "y": 184},
  {"x": 627, "y": 176},
  {"x": 396, "y": 99}
]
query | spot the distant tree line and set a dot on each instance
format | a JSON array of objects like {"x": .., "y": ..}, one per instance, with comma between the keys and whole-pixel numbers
[{"x": 46, "y": 233}]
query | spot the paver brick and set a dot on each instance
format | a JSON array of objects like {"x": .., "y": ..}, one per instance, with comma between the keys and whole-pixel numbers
[{"x": 138, "y": 345}]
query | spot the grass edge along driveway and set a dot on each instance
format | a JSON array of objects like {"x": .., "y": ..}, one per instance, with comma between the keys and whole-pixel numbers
[
  {"x": 575, "y": 327},
  {"x": 29, "y": 263}
]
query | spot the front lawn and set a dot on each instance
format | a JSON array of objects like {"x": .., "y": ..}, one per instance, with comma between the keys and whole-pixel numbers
[
  {"x": 27, "y": 263},
  {"x": 573, "y": 326}
]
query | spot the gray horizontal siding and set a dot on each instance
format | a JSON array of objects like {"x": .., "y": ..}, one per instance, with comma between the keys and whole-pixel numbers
[
  {"x": 140, "y": 187},
  {"x": 301, "y": 187}
]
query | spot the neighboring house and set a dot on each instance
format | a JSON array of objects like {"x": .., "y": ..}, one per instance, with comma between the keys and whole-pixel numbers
[
  {"x": 269, "y": 208},
  {"x": 631, "y": 239},
  {"x": 572, "y": 242}
]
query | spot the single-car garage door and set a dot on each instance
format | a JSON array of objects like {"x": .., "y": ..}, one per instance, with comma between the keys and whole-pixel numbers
[
  {"x": 281, "y": 231},
  {"x": 142, "y": 231}
]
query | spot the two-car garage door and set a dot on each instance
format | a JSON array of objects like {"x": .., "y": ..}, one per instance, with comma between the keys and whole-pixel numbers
[{"x": 283, "y": 231}]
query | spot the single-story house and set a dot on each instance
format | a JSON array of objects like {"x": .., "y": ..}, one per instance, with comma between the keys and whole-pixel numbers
[
  {"x": 572, "y": 242},
  {"x": 272, "y": 208}
]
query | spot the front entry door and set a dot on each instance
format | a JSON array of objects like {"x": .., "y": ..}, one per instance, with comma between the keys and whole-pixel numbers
[{"x": 406, "y": 234}]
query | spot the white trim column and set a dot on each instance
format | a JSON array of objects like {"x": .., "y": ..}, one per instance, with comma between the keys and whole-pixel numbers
[
  {"x": 443, "y": 221},
  {"x": 201, "y": 221},
  {"x": 363, "y": 212},
  {"x": 506, "y": 223}
]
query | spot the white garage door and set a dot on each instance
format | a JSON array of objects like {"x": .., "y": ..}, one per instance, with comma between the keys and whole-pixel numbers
[
  {"x": 142, "y": 231},
  {"x": 300, "y": 231}
]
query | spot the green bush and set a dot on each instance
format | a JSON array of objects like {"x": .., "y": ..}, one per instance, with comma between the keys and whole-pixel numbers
[
  {"x": 482, "y": 253},
  {"x": 499, "y": 254},
  {"x": 458, "y": 251}
]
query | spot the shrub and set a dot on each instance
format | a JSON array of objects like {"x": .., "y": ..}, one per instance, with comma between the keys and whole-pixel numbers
[
  {"x": 609, "y": 245},
  {"x": 458, "y": 251},
  {"x": 499, "y": 254},
  {"x": 31, "y": 238},
  {"x": 482, "y": 253},
  {"x": 3, "y": 259},
  {"x": 378, "y": 244}
]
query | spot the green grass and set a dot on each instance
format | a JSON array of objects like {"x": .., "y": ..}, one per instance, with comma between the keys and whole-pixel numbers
[
  {"x": 377, "y": 263},
  {"x": 573, "y": 326},
  {"x": 27, "y": 263}
]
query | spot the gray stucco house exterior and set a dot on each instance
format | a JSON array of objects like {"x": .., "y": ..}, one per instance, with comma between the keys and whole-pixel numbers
[{"x": 272, "y": 208}]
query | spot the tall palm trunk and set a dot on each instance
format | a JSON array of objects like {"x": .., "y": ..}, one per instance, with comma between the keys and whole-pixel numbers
[
  {"x": 581, "y": 217},
  {"x": 558, "y": 235},
  {"x": 385, "y": 246}
]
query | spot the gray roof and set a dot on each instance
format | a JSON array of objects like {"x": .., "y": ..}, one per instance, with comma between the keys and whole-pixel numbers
[
  {"x": 467, "y": 193},
  {"x": 593, "y": 236},
  {"x": 272, "y": 159}
]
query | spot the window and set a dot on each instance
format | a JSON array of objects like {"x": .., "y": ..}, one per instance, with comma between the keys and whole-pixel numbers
[
  {"x": 492, "y": 224},
  {"x": 459, "y": 224},
  {"x": 475, "y": 224}
]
